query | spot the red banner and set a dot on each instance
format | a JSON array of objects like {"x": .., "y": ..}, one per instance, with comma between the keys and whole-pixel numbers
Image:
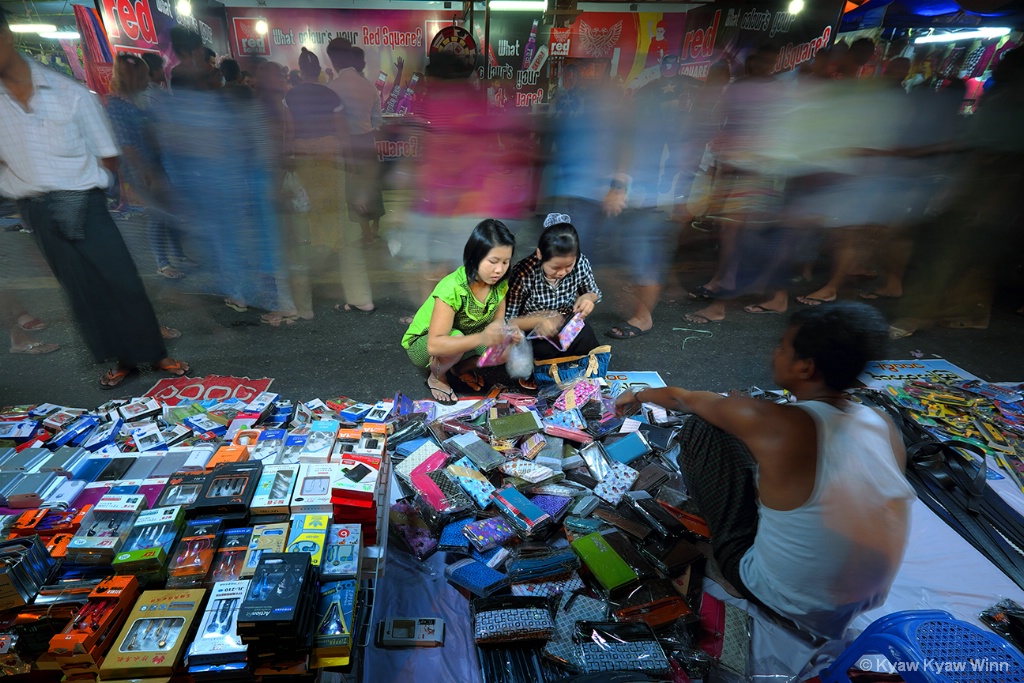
[{"x": 176, "y": 389}]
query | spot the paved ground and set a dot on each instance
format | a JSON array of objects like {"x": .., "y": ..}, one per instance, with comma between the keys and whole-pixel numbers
[{"x": 360, "y": 356}]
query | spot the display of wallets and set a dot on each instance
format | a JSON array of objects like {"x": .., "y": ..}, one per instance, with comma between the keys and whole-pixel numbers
[
  {"x": 271, "y": 538},
  {"x": 512, "y": 619},
  {"x": 153, "y": 638},
  {"x": 415, "y": 459},
  {"x": 525, "y": 565},
  {"x": 576, "y": 527},
  {"x": 476, "y": 577},
  {"x": 615, "y": 483},
  {"x": 631, "y": 526},
  {"x": 408, "y": 523},
  {"x": 308, "y": 534},
  {"x": 228, "y": 489},
  {"x": 654, "y": 515},
  {"x": 425, "y": 486},
  {"x": 342, "y": 552},
  {"x": 626, "y": 548},
  {"x": 671, "y": 556},
  {"x": 515, "y": 426},
  {"x": 471, "y": 446},
  {"x": 274, "y": 489},
  {"x": 193, "y": 556},
  {"x": 651, "y": 477},
  {"x": 527, "y": 471},
  {"x": 486, "y": 534},
  {"x": 472, "y": 481},
  {"x": 628, "y": 448},
  {"x": 609, "y": 646},
  {"x": 522, "y": 514},
  {"x": 604, "y": 564},
  {"x": 216, "y": 639}
]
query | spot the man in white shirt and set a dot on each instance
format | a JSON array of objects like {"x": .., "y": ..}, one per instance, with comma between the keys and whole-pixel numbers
[{"x": 56, "y": 157}]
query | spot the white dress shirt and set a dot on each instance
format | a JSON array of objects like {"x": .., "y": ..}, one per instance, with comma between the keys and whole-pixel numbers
[
  {"x": 360, "y": 100},
  {"x": 58, "y": 143}
]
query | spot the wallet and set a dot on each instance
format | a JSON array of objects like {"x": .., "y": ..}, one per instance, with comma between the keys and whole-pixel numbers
[
  {"x": 696, "y": 526},
  {"x": 476, "y": 577},
  {"x": 614, "y": 485},
  {"x": 671, "y": 557},
  {"x": 481, "y": 453},
  {"x": 628, "y": 448},
  {"x": 472, "y": 481},
  {"x": 521, "y": 513},
  {"x": 514, "y": 426},
  {"x": 554, "y": 505},
  {"x": 654, "y": 515},
  {"x": 452, "y": 539},
  {"x": 607, "y": 567},
  {"x": 524, "y": 566},
  {"x": 572, "y": 608},
  {"x": 656, "y": 604},
  {"x": 488, "y": 533},
  {"x": 527, "y": 471},
  {"x": 578, "y": 395},
  {"x": 627, "y": 550},
  {"x": 630, "y": 526},
  {"x": 407, "y": 522},
  {"x": 609, "y": 646},
  {"x": 584, "y": 506},
  {"x": 510, "y": 619},
  {"x": 651, "y": 477},
  {"x": 658, "y": 437},
  {"x": 415, "y": 459},
  {"x": 725, "y": 633},
  {"x": 597, "y": 462}
]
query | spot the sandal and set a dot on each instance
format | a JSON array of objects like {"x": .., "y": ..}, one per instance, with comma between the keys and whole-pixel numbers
[
  {"x": 528, "y": 383},
  {"x": 626, "y": 331},
  {"x": 30, "y": 323},
  {"x": 346, "y": 308},
  {"x": 473, "y": 380},
  {"x": 701, "y": 293},
  {"x": 276, "y": 320},
  {"x": 236, "y": 306},
  {"x": 758, "y": 309},
  {"x": 170, "y": 272},
  {"x": 445, "y": 397},
  {"x": 699, "y": 319},
  {"x": 36, "y": 348},
  {"x": 115, "y": 376},
  {"x": 169, "y": 332},
  {"x": 175, "y": 367},
  {"x": 813, "y": 301}
]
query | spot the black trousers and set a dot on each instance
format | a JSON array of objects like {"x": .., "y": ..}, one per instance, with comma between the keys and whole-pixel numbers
[
  {"x": 108, "y": 300},
  {"x": 719, "y": 472}
]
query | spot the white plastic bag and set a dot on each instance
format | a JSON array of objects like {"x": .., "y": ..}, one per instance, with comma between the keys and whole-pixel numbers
[{"x": 520, "y": 359}]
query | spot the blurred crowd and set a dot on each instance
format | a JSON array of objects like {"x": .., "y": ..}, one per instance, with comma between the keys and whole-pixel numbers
[{"x": 265, "y": 184}]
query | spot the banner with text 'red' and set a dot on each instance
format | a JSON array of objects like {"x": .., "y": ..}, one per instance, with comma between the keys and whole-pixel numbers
[{"x": 731, "y": 31}]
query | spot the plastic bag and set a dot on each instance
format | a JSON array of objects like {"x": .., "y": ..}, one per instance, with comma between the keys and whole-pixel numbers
[
  {"x": 520, "y": 359},
  {"x": 294, "y": 190}
]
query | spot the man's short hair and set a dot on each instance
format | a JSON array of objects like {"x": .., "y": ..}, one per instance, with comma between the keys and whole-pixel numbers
[
  {"x": 840, "y": 337},
  {"x": 153, "y": 61},
  {"x": 230, "y": 70}
]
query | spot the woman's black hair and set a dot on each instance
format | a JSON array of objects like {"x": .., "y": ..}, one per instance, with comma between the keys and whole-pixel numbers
[
  {"x": 309, "y": 65},
  {"x": 487, "y": 235},
  {"x": 558, "y": 240}
]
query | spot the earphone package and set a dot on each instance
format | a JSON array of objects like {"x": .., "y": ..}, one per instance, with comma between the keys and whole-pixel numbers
[
  {"x": 150, "y": 542},
  {"x": 193, "y": 556},
  {"x": 217, "y": 640}
]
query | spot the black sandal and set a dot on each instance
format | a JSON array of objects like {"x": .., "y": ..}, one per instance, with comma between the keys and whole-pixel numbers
[
  {"x": 626, "y": 331},
  {"x": 449, "y": 399}
]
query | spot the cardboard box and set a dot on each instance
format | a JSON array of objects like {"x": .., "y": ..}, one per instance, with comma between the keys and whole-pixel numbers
[
  {"x": 227, "y": 454},
  {"x": 358, "y": 476},
  {"x": 342, "y": 552},
  {"x": 193, "y": 556},
  {"x": 228, "y": 489},
  {"x": 274, "y": 490},
  {"x": 85, "y": 640},
  {"x": 217, "y": 638},
  {"x": 312, "y": 492},
  {"x": 153, "y": 639},
  {"x": 272, "y": 538},
  {"x": 320, "y": 443},
  {"x": 309, "y": 535}
]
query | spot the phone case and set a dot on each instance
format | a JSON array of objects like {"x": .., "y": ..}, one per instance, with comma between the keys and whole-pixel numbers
[
  {"x": 628, "y": 448},
  {"x": 616, "y": 483}
]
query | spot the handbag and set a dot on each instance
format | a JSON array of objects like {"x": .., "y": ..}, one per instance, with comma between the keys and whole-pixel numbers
[
  {"x": 510, "y": 619},
  {"x": 561, "y": 371}
]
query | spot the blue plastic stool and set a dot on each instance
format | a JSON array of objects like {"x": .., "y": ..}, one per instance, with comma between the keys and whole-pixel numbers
[{"x": 932, "y": 647}]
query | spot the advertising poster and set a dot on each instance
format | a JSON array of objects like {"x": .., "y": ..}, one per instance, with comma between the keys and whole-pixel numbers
[
  {"x": 139, "y": 26},
  {"x": 879, "y": 374},
  {"x": 730, "y": 31},
  {"x": 516, "y": 61}
]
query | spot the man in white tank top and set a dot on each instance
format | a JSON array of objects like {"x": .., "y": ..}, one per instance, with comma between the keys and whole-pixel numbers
[{"x": 807, "y": 503}]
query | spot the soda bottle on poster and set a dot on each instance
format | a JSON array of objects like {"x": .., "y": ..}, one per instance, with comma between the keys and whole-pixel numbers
[
  {"x": 492, "y": 59},
  {"x": 530, "y": 48},
  {"x": 382, "y": 80},
  {"x": 396, "y": 93},
  {"x": 406, "y": 100}
]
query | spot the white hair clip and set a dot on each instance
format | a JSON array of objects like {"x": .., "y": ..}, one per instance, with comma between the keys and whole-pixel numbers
[{"x": 556, "y": 219}]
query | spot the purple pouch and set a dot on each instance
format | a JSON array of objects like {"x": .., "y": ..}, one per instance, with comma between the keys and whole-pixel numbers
[
  {"x": 488, "y": 533},
  {"x": 407, "y": 522}
]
